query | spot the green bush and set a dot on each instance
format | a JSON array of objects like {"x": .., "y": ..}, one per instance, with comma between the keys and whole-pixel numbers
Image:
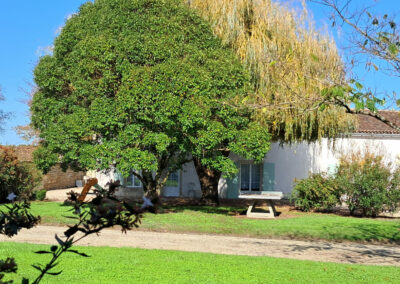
[
  {"x": 15, "y": 177},
  {"x": 370, "y": 185},
  {"x": 40, "y": 194},
  {"x": 317, "y": 192}
]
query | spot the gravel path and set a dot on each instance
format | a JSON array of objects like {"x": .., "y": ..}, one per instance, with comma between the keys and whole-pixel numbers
[{"x": 306, "y": 250}]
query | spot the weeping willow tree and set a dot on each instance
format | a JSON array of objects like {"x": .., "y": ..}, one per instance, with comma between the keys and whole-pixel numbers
[{"x": 290, "y": 62}]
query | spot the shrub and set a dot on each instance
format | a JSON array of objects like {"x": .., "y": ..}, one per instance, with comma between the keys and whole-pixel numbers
[
  {"x": 370, "y": 185},
  {"x": 40, "y": 194},
  {"x": 15, "y": 176},
  {"x": 317, "y": 192}
]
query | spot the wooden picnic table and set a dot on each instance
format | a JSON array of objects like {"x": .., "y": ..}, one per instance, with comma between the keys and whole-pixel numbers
[{"x": 269, "y": 197}]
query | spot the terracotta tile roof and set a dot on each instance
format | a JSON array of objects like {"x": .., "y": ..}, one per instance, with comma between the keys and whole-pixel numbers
[{"x": 369, "y": 124}]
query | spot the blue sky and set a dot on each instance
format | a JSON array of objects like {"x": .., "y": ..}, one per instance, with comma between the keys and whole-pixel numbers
[{"x": 27, "y": 27}]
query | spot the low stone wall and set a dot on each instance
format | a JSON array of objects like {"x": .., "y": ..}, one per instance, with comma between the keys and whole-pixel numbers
[{"x": 56, "y": 178}]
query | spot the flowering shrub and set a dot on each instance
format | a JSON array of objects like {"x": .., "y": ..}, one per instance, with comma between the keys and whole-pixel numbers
[
  {"x": 371, "y": 186},
  {"x": 15, "y": 176},
  {"x": 317, "y": 192}
]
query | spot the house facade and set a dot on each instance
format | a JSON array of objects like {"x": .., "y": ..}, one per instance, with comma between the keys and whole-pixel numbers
[{"x": 282, "y": 165}]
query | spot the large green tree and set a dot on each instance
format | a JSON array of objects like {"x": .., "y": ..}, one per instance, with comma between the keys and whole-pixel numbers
[{"x": 140, "y": 85}]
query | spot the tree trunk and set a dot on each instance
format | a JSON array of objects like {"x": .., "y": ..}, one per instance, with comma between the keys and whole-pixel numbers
[
  {"x": 209, "y": 179},
  {"x": 151, "y": 190}
]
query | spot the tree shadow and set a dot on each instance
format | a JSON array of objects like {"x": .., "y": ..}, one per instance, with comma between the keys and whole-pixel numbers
[
  {"x": 222, "y": 210},
  {"x": 365, "y": 233},
  {"x": 379, "y": 233},
  {"x": 353, "y": 253}
]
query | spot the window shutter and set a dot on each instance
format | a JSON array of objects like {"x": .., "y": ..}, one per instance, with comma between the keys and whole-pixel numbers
[
  {"x": 332, "y": 169},
  {"x": 269, "y": 177},
  {"x": 233, "y": 185}
]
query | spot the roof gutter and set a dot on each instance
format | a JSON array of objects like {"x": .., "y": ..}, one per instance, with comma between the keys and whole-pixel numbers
[{"x": 376, "y": 135}]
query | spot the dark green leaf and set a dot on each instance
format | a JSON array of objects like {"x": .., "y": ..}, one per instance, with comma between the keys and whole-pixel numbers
[
  {"x": 37, "y": 267},
  {"x": 71, "y": 217},
  {"x": 71, "y": 231},
  {"x": 54, "y": 273},
  {"x": 43, "y": 252},
  {"x": 77, "y": 252},
  {"x": 60, "y": 242}
]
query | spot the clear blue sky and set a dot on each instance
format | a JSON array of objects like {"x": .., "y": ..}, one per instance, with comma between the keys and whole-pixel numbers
[{"x": 27, "y": 27}]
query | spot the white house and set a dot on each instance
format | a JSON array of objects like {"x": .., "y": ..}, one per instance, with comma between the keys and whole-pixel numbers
[{"x": 283, "y": 163}]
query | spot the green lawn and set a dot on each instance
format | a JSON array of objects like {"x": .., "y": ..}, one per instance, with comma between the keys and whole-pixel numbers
[
  {"x": 128, "y": 265},
  {"x": 222, "y": 221}
]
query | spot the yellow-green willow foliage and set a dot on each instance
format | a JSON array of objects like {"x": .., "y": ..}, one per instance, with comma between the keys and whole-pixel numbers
[{"x": 289, "y": 61}]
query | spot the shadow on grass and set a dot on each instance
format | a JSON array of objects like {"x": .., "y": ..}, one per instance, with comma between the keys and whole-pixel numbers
[
  {"x": 378, "y": 233},
  {"x": 353, "y": 253},
  {"x": 364, "y": 232},
  {"x": 223, "y": 210},
  {"x": 165, "y": 209}
]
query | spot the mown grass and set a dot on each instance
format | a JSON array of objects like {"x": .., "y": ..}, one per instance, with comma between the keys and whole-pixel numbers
[
  {"x": 224, "y": 220},
  {"x": 128, "y": 265}
]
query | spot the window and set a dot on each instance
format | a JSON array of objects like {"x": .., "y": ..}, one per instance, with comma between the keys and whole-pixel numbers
[
  {"x": 173, "y": 180},
  {"x": 250, "y": 177},
  {"x": 133, "y": 181}
]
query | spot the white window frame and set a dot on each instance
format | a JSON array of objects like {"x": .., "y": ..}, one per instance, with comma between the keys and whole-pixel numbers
[
  {"x": 133, "y": 177},
  {"x": 250, "y": 176},
  {"x": 178, "y": 173}
]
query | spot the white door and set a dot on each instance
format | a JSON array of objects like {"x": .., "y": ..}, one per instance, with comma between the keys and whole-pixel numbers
[{"x": 171, "y": 188}]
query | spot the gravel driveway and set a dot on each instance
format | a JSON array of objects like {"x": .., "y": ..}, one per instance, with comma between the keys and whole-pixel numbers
[{"x": 315, "y": 250}]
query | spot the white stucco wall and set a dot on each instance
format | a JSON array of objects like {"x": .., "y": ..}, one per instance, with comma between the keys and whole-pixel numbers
[
  {"x": 103, "y": 177},
  {"x": 292, "y": 162},
  {"x": 190, "y": 185},
  {"x": 298, "y": 160}
]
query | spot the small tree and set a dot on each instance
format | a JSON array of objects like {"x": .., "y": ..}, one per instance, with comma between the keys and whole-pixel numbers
[{"x": 124, "y": 85}]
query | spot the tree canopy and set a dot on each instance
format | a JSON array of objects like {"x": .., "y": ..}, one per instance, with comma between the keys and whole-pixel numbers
[
  {"x": 138, "y": 84},
  {"x": 290, "y": 63}
]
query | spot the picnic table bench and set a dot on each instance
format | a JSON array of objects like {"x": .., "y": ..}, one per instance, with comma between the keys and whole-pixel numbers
[{"x": 269, "y": 197}]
